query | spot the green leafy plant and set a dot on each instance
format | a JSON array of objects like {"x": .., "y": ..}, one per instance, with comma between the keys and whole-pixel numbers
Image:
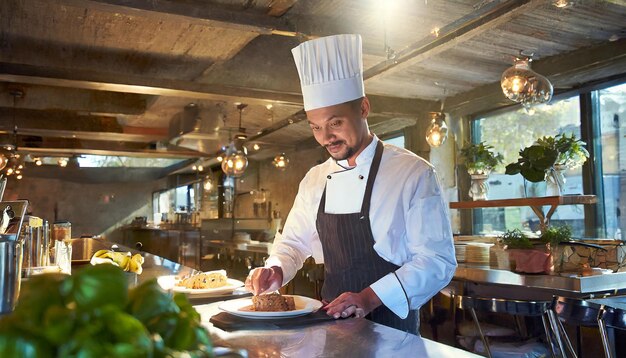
[
  {"x": 480, "y": 158},
  {"x": 515, "y": 239},
  {"x": 535, "y": 161},
  {"x": 556, "y": 234},
  {"x": 93, "y": 314}
]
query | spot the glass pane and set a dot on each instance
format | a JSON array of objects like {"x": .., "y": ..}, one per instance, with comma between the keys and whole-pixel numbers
[
  {"x": 397, "y": 141},
  {"x": 508, "y": 132},
  {"x": 613, "y": 141}
]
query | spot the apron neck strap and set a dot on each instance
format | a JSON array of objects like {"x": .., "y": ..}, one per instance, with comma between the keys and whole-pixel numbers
[{"x": 365, "y": 206}]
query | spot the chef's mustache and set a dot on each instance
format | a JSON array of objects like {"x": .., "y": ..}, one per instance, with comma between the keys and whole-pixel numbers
[{"x": 334, "y": 143}]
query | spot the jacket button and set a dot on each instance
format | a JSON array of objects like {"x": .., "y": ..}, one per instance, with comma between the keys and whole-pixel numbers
[
  {"x": 328, "y": 177},
  {"x": 361, "y": 177}
]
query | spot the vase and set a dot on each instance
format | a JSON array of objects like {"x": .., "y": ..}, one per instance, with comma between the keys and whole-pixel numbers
[
  {"x": 530, "y": 260},
  {"x": 555, "y": 180},
  {"x": 479, "y": 187}
]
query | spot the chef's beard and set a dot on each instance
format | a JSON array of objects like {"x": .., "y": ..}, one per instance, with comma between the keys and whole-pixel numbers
[{"x": 342, "y": 156}]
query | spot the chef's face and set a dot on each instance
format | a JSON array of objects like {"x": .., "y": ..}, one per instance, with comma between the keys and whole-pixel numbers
[{"x": 342, "y": 128}]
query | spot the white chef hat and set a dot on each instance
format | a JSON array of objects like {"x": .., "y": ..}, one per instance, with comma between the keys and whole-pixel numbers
[{"x": 330, "y": 69}]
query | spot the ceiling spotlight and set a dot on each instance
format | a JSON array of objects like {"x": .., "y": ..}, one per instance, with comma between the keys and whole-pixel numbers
[
  {"x": 256, "y": 146},
  {"x": 194, "y": 168},
  {"x": 20, "y": 166},
  {"x": 219, "y": 158},
  {"x": 9, "y": 171},
  {"x": 62, "y": 162},
  {"x": 19, "y": 176},
  {"x": 269, "y": 106},
  {"x": 38, "y": 162},
  {"x": 200, "y": 168}
]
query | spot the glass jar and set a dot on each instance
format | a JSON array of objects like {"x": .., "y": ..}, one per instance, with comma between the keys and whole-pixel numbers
[{"x": 62, "y": 237}]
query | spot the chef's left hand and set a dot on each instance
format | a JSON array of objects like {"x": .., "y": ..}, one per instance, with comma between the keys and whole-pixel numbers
[{"x": 351, "y": 303}]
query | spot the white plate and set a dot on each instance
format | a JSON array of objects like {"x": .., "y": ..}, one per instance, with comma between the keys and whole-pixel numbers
[
  {"x": 169, "y": 283},
  {"x": 304, "y": 305}
]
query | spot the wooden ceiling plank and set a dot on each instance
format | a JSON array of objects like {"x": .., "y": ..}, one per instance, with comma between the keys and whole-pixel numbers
[
  {"x": 467, "y": 27},
  {"x": 206, "y": 15},
  {"x": 278, "y": 8}
]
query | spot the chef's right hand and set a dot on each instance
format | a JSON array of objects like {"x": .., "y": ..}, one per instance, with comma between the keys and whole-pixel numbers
[{"x": 263, "y": 279}]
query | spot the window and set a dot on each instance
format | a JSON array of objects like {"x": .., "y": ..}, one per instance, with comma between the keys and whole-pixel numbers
[
  {"x": 510, "y": 131},
  {"x": 611, "y": 103},
  {"x": 397, "y": 140}
]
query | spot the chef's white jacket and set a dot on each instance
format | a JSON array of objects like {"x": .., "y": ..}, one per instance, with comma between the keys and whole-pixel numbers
[{"x": 408, "y": 215}]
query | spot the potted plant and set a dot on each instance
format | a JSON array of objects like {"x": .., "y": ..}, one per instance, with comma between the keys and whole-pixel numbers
[
  {"x": 552, "y": 237},
  {"x": 480, "y": 159},
  {"x": 523, "y": 255},
  {"x": 547, "y": 158}
]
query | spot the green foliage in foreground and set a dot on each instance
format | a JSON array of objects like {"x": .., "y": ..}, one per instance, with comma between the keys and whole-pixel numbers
[{"x": 93, "y": 314}]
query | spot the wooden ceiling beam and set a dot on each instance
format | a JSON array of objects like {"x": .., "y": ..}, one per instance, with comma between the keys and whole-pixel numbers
[
  {"x": 202, "y": 14},
  {"x": 485, "y": 18},
  {"x": 173, "y": 88},
  {"x": 91, "y": 80},
  {"x": 42, "y": 97},
  {"x": 63, "y": 124},
  {"x": 65, "y": 146}
]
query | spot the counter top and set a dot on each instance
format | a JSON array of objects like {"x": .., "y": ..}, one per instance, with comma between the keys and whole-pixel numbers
[
  {"x": 342, "y": 338},
  {"x": 251, "y": 246},
  {"x": 588, "y": 284}
]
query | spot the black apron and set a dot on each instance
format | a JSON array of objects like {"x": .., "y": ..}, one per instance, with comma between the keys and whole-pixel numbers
[{"x": 350, "y": 261}]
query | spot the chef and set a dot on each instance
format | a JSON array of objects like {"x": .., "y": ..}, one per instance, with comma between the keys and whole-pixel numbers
[{"x": 373, "y": 213}]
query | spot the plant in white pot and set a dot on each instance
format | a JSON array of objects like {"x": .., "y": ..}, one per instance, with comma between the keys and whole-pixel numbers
[
  {"x": 480, "y": 159},
  {"x": 548, "y": 158}
]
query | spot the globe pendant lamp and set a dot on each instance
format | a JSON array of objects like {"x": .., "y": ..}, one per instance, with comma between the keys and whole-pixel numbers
[
  {"x": 235, "y": 162},
  {"x": 522, "y": 85},
  {"x": 281, "y": 161},
  {"x": 437, "y": 131}
]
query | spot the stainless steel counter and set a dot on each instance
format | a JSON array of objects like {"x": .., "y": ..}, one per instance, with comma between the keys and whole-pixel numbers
[
  {"x": 343, "y": 338},
  {"x": 485, "y": 274}
]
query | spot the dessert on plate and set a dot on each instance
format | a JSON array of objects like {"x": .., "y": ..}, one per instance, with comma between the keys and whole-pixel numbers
[
  {"x": 273, "y": 302},
  {"x": 209, "y": 279}
]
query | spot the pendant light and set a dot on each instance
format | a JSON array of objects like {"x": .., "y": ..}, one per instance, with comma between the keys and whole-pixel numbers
[
  {"x": 281, "y": 161},
  {"x": 236, "y": 161},
  {"x": 437, "y": 131},
  {"x": 522, "y": 85}
]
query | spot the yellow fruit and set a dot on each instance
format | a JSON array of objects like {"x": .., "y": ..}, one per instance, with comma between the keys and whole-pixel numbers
[
  {"x": 135, "y": 264},
  {"x": 101, "y": 253}
]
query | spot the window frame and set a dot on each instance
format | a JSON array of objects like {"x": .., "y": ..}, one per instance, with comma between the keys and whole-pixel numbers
[{"x": 592, "y": 173}]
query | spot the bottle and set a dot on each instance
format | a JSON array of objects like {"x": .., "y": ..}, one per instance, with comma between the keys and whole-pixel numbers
[{"x": 62, "y": 237}]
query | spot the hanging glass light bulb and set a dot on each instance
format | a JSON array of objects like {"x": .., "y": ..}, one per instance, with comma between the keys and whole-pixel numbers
[
  {"x": 437, "y": 131},
  {"x": 235, "y": 162},
  {"x": 3, "y": 161},
  {"x": 281, "y": 161},
  {"x": 208, "y": 183},
  {"x": 521, "y": 84}
]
